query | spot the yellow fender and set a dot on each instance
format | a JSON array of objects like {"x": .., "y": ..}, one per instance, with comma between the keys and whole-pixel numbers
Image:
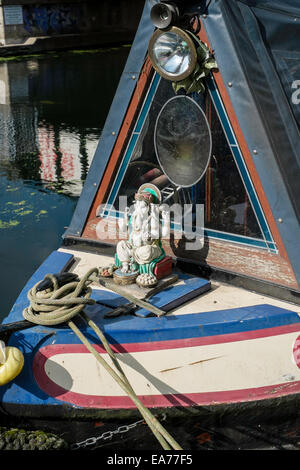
[{"x": 12, "y": 366}]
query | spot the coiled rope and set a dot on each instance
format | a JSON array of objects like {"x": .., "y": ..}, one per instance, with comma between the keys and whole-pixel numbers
[{"x": 60, "y": 305}]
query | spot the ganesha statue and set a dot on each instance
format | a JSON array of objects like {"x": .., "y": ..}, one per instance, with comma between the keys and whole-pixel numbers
[{"x": 137, "y": 256}]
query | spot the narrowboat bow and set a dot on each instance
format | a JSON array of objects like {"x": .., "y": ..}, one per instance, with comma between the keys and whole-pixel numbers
[{"x": 205, "y": 122}]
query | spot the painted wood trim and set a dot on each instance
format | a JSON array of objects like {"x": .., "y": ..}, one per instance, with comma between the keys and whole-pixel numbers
[
  {"x": 234, "y": 258},
  {"x": 132, "y": 111}
]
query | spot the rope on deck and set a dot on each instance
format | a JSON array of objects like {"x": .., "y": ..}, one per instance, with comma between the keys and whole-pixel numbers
[{"x": 60, "y": 305}]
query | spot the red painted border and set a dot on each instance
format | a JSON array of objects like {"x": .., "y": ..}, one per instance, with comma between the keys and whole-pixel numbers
[{"x": 190, "y": 399}]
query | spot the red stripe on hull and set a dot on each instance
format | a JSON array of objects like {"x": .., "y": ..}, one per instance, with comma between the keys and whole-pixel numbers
[{"x": 184, "y": 400}]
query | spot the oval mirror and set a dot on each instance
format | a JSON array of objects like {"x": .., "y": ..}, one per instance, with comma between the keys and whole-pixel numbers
[{"x": 182, "y": 141}]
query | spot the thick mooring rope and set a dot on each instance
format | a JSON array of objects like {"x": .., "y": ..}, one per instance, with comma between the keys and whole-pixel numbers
[{"x": 60, "y": 305}]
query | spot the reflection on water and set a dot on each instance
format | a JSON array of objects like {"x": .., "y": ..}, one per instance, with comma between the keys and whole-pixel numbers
[{"x": 52, "y": 110}]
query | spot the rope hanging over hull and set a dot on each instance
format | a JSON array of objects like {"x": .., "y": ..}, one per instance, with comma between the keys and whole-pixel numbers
[{"x": 59, "y": 305}]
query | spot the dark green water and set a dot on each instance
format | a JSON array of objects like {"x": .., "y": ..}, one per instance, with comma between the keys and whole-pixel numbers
[{"x": 52, "y": 110}]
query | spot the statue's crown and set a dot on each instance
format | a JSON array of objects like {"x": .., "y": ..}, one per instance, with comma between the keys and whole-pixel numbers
[
  {"x": 145, "y": 196},
  {"x": 149, "y": 193}
]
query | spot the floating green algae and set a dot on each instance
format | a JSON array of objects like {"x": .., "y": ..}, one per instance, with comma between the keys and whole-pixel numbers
[
  {"x": 20, "y": 203},
  {"x": 48, "y": 102},
  {"x": 9, "y": 224},
  {"x": 98, "y": 50},
  {"x": 20, "y": 439},
  {"x": 42, "y": 212},
  {"x": 20, "y": 208},
  {"x": 57, "y": 54},
  {"x": 22, "y": 212},
  {"x": 27, "y": 56},
  {"x": 12, "y": 189}
]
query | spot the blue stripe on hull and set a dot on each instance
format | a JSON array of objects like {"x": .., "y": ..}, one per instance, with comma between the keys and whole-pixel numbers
[{"x": 130, "y": 329}]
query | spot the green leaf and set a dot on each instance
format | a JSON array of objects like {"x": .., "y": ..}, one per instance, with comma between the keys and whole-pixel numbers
[
  {"x": 205, "y": 63},
  {"x": 211, "y": 64},
  {"x": 202, "y": 51}
]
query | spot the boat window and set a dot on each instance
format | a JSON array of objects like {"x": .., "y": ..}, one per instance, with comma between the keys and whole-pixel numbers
[{"x": 227, "y": 205}]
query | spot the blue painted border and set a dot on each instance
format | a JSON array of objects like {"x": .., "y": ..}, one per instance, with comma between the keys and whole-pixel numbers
[{"x": 194, "y": 325}]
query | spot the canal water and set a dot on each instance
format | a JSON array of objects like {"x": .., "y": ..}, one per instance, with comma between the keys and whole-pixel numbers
[{"x": 52, "y": 110}]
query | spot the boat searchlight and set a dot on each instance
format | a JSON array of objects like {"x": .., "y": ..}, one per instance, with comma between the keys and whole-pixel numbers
[{"x": 173, "y": 53}]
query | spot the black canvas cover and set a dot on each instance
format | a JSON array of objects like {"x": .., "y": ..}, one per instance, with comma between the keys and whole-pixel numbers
[{"x": 266, "y": 38}]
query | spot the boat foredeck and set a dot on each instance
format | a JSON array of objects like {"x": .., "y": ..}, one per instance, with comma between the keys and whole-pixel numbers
[{"x": 221, "y": 296}]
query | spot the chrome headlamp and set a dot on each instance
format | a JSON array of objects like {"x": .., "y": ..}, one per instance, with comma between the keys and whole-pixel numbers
[{"x": 173, "y": 53}]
